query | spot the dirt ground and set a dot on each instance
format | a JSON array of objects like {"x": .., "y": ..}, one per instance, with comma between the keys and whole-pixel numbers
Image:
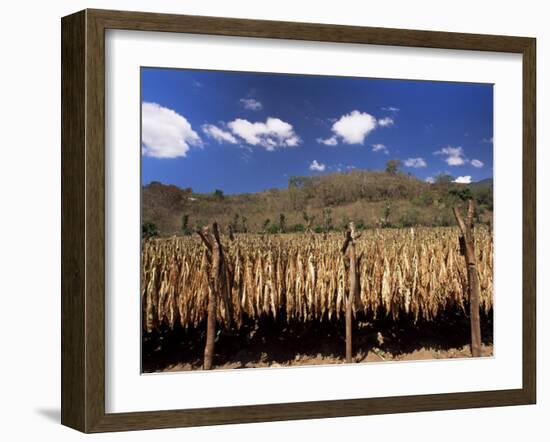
[{"x": 281, "y": 344}]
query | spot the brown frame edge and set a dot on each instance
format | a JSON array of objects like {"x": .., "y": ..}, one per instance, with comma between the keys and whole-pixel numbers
[{"x": 83, "y": 215}]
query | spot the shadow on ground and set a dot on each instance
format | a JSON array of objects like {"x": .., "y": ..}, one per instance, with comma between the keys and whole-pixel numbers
[{"x": 269, "y": 343}]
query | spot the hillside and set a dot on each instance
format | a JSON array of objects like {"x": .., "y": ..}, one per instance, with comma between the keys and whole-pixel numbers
[{"x": 370, "y": 198}]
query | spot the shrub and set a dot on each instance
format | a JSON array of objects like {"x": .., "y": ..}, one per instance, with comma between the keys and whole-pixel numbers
[
  {"x": 149, "y": 230},
  {"x": 273, "y": 228},
  {"x": 297, "y": 228},
  {"x": 360, "y": 224}
]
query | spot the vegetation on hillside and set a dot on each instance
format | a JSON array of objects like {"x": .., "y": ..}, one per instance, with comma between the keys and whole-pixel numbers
[{"x": 322, "y": 203}]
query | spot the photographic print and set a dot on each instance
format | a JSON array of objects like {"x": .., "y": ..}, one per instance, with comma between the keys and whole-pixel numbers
[{"x": 291, "y": 220}]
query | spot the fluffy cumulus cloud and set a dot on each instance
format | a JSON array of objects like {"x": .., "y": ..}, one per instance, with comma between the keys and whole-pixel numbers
[
  {"x": 463, "y": 179},
  {"x": 272, "y": 134},
  {"x": 386, "y": 121},
  {"x": 316, "y": 166},
  {"x": 430, "y": 180},
  {"x": 415, "y": 162},
  {"x": 251, "y": 104},
  {"x": 332, "y": 141},
  {"x": 379, "y": 148},
  {"x": 165, "y": 133},
  {"x": 352, "y": 128},
  {"x": 477, "y": 163},
  {"x": 454, "y": 156},
  {"x": 218, "y": 134}
]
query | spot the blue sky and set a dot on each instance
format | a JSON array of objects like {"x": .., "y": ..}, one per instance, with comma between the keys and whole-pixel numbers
[{"x": 247, "y": 132}]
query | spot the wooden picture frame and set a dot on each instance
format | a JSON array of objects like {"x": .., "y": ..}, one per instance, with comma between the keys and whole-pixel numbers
[{"x": 83, "y": 220}]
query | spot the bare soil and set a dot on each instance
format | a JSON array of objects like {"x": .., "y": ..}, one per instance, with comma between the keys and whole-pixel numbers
[{"x": 269, "y": 343}]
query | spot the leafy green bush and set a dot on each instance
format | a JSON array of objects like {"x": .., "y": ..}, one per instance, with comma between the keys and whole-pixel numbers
[
  {"x": 273, "y": 228},
  {"x": 149, "y": 230},
  {"x": 360, "y": 224},
  {"x": 463, "y": 194},
  {"x": 185, "y": 225},
  {"x": 297, "y": 228}
]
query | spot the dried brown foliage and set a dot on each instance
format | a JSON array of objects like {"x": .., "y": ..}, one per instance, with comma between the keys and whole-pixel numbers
[{"x": 418, "y": 272}]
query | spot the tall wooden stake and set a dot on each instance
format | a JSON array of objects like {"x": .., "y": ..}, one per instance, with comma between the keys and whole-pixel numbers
[
  {"x": 349, "y": 245},
  {"x": 214, "y": 247},
  {"x": 469, "y": 252}
]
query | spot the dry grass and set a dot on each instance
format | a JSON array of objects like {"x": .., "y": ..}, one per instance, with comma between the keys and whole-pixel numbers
[{"x": 303, "y": 276}]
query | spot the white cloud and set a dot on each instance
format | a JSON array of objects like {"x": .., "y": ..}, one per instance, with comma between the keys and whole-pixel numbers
[
  {"x": 391, "y": 109},
  {"x": 165, "y": 133},
  {"x": 292, "y": 141},
  {"x": 332, "y": 141},
  {"x": 354, "y": 127},
  {"x": 379, "y": 148},
  {"x": 476, "y": 163},
  {"x": 386, "y": 121},
  {"x": 319, "y": 167},
  {"x": 251, "y": 104},
  {"x": 415, "y": 162},
  {"x": 454, "y": 155},
  {"x": 463, "y": 179},
  {"x": 272, "y": 134},
  {"x": 430, "y": 180},
  {"x": 487, "y": 140},
  {"x": 220, "y": 135}
]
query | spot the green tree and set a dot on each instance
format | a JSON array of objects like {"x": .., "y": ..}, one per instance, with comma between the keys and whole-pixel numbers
[
  {"x": 149, "y": 230},
  {"x": 282, "y": 223},
  {"x": 444, "y": 178},
  {"x": 464, "y": 194},
  {"x": 484, "y": 197},
  {"x": 218, "y": 194},
  {"x": 392, "y": 167},
  {"x": 185, "y": 225}
]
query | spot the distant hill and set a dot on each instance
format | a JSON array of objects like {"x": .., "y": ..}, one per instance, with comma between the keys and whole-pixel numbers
[
  {"x": 486, "y": 183},
  {"x": 370, "y": 198}
]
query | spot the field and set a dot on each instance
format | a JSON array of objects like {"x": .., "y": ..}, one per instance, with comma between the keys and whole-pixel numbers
[{"x": 277, "y": 286}]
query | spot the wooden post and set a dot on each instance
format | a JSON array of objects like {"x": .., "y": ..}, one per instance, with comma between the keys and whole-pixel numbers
[
  {"x": 349, "y": 245},
  {"x": 469, "y": 252},
  {"x": 213, "y": 245}
]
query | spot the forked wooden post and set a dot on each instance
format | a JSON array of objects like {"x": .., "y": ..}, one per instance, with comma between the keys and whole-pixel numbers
[
  {"x": 469, "y": 252},
  {"x": 214, "y": 248},
  {"x": 349, "y": 245}
]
